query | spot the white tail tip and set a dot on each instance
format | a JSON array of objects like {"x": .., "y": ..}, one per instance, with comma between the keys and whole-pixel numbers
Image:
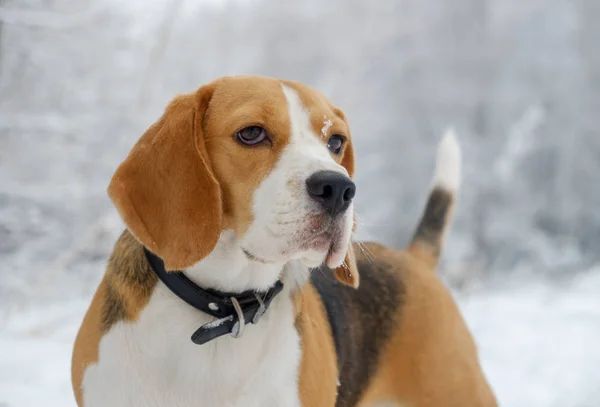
[{"x": 448, "y": 164}]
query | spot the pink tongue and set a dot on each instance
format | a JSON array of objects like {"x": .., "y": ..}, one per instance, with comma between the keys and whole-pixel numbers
[{"x": 335, "y": 258}]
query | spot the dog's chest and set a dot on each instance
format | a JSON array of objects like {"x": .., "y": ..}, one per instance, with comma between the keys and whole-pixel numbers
[{"x": 152, "y": 362}]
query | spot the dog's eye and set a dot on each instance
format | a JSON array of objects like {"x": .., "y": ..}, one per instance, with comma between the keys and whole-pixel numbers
[
  {"x": 251, "y": 135},
  {"x": 335, "y": 143}
]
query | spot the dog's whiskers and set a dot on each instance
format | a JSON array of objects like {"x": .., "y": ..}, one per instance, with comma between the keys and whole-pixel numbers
[{"x": 368, "y": 254}]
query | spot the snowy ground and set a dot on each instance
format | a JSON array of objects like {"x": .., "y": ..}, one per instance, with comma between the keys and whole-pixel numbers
[
  {"x": 538, "y": 345},
  {"x": 81, "y": 79}
]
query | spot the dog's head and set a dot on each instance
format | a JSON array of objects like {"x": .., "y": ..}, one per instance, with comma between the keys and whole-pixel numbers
[{"x": 271, "y": 160}]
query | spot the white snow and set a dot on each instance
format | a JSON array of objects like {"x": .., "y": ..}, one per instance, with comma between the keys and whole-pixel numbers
[
  {"x": 539, "y": 342},
  {"x": 35, "y": 355},
  {"x": 326, "y": 126},
  {"x": 218, "y": 322}
]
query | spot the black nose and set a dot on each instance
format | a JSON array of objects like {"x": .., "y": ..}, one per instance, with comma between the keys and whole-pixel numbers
[{"x": 332, "y": 190}]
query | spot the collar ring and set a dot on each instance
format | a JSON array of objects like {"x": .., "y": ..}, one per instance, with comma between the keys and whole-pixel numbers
[{"x": 238, "y": 327}]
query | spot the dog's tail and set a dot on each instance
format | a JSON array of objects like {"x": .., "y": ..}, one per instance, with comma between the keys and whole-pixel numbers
[{"x": 428, "y": 239}]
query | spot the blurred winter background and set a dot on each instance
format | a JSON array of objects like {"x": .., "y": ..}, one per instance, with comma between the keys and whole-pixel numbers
[{"x": 80, "y": 80}]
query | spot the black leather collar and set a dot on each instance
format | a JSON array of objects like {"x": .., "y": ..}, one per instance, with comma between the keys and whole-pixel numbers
[{"x": 228, "y": 308}]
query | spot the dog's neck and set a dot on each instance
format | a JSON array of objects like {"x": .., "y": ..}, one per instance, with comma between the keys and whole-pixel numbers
[{"x": 228, "y": 269}]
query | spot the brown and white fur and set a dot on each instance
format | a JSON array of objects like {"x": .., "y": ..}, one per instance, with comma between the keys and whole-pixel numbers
[{"x": 237, "y": 218}]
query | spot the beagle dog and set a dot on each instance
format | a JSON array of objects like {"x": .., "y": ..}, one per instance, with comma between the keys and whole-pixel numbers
[{"x": 236, "y": 282}]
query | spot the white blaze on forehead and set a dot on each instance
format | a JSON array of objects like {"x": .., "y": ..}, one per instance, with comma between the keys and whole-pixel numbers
[{"x": 303, "y": 135}]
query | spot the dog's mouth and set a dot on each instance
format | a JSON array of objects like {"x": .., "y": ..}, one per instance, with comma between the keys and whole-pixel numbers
[
  {"x": 322, "y": 240},
  {"x": 331, "y": 239},
  {"x": 321, "y": 243}
]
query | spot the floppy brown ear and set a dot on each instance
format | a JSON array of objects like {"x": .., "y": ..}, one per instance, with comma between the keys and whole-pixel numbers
[{"x": 165, "y": 190}]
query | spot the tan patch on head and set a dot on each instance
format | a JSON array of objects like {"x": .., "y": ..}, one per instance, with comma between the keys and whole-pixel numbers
[
  {"x": 244, "y": 101},
  {"x": 237, "y": 103}
]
